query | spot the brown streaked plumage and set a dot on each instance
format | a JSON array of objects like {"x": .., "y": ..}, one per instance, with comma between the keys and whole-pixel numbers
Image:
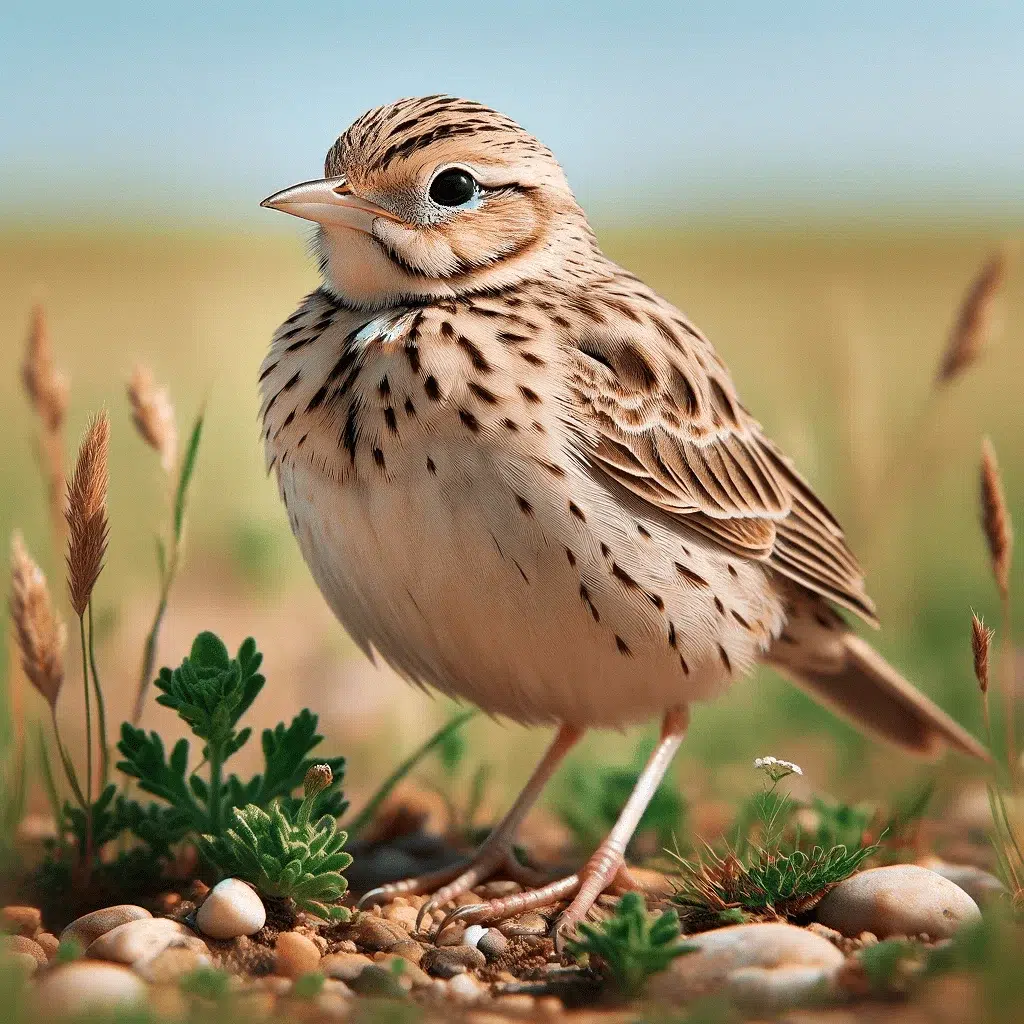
[{"x": 527, "y": 480}]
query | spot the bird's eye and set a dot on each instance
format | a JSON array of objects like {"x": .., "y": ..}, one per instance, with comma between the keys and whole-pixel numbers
[{"x": 453, "y": 187}]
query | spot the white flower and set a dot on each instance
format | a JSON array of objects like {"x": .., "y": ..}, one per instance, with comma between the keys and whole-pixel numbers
[{"x": 775, "y": 768}]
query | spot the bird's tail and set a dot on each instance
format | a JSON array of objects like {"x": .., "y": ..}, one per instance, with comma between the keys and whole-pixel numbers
[{"x": 839, "y": 669}]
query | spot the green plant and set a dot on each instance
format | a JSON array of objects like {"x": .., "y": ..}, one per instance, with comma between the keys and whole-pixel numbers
[
  {"x": 298, "y": 859},
  {"x": 210, "y": 691},
  {"x": 592, "y": 795},
  {"x": 772, "y": 868},
  {"x": 632, "y": 944}
]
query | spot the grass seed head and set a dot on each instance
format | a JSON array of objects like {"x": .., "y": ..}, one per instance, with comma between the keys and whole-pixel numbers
[
  {"x": 318, "y": 778},
  {"x": 995, "y": 519},
  {"x": 153, "y": 416},
  {"x": 38, "y": 629},
  {"x": 46, "y": 386},
  {"x": 981, "y": 641},
  {"x": 87, "y": 513},
  {"x": 973, "y": 327}
]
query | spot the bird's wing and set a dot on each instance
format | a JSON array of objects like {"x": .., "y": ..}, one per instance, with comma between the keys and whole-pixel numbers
[{"x": 667, "y": 425}]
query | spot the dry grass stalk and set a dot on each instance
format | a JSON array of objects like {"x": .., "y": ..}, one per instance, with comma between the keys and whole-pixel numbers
[
  {"x": 995, "y": 519},
  {"x": 40, "y": 633},
  {"x": 981, "y": 641},
  {"x": 47, "y": 390},
  {"x": 973, "y": 327},
  {"x": 87, "y": 513},
  {"x": 153, "y": 416}
]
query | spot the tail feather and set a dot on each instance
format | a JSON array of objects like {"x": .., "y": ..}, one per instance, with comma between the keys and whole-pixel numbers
[{"x": 848, "y": 675}]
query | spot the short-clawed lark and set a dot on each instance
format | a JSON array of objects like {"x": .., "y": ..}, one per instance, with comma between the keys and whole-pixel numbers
[{"x": 527, "y": 481}]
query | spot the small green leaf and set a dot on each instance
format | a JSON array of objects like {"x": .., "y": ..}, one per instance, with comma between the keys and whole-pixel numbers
[{"x": 188, "y": 466}]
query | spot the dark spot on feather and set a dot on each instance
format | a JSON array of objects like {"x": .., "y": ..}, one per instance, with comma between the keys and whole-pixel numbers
[
  {"x": 524, "y": 506},
  {"x": 294, "y": 380},
  {"x": 742, "y": 621},
  {"x": 786, "y": 638},
  {"x": 671, "y": 634},
  {"x": 378, "y": 457},
  {"x": 623, "y": 577},
  {"x": 642, "y": 531},
  {"x": 510, "y": 424},
  {"x": 301, "y": 441},
  {"x": 410, "y": 409},
  {"x": 431, "y": 387},
  {"x": 555, "y": 471},
  {"x": 521, "y": 573},
  {"x": 390, "y": 420},
  {"x": 469, "y": 421},
  {"x": 431, "y": 468},
  {"x": 511, "y": 339},
  {"x": 657, "y": 601},
  {"x": 585, "y": 597},
  {"x": 719, "y": 605},
  {"x": 634, "y": 369},
  {"x": 482, "y": 393},
  {"x": 384, "y": 387},
  {"x": 622, "y": 646},
  {"x": 476, "y": 357},
  {"x": 267, "y": 372},
  {"x": 288, "y": 419},
  {"x": 732, "y": 572},
  {"x": 724, "y": 655},
  {"x": 412, "y": 353},
  {"x": 532, "y": 358},
  {"x": 605, "y": 550},
  {"x": 577, "y": 511},
  {"x": 686, "y": 668},
  {"x": 529, "y": 394},
  {"x": 690, "y": 575},
  {"x": 571, "y": 557},
  {"x": 682, "y": 392}
]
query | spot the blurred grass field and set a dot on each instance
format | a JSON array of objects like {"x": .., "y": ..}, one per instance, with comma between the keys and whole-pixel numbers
[{"x": 833, "y": 334}]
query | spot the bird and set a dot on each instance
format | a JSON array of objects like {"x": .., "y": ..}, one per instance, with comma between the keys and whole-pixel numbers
[{"x": 526, "y": 480}]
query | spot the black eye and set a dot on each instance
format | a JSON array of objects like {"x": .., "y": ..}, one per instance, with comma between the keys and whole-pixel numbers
[{"x": 452, "y": 187}]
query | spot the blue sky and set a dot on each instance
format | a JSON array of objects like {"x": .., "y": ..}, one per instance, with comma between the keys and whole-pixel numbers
[{"x": 202, "y": 109}]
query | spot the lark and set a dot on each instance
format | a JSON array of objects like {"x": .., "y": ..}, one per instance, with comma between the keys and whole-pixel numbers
[{"x": 527, "y": 480}]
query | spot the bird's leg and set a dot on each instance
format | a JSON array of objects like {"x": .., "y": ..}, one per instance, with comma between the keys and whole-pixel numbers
[
  {"x": 495, "y": 853},
  {"x": 606, "y": 868}
]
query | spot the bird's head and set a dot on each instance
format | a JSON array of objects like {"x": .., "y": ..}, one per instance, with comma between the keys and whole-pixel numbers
[{"x": 434, "y": 198}]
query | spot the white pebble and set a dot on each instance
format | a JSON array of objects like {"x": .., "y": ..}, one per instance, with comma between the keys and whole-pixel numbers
[
  {"x": 464, "y": 988},
  {"x": 88, "y": 986},
  {"x": 138, "y": 940},
  {"x": 473, "y": 934},
  {"x": 232, "y": 909}
]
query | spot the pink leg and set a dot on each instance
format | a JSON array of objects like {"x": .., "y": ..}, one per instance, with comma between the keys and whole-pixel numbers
[
  {"x": 495, "y": 854},
  {"x": 606, "y": 867}
]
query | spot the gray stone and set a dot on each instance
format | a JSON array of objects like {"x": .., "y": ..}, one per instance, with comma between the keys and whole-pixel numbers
[
  {"x": 900, "y": 899},
  {"x": 492, "y": 944}
]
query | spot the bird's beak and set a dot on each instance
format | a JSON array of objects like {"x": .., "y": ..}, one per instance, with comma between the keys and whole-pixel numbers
[{"x": 328, "y": 201}]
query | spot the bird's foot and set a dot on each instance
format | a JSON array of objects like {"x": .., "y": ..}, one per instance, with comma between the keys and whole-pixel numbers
[
  {"x": 602, "y": 873},
  {"x": 490, "y": 861}
]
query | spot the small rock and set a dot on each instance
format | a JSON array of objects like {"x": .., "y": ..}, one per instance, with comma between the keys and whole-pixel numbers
[
  {"x": 334, "y": 1005},
  {"x": 981, "y": 886},
  {"x": 451, "y": 934},
  {"x": 23, "y": 944},
  {"x": 473, "y": 934},
  {"x": 530, "y": 923},
  {"x": 376, "y": 934},
  {"x": 379, "y": 981},
  {"x": 448, "y": 961},
  {"x": 140, "y": 940},
  {"x": 405, "y": 916},
  {"x": 520, "y": 1005},
  {"x": 21, "y": 920},
  {"x": 409, "y": 950},
  {"x": 296, "y": 955},
  {"x": 406, "y": 969},
  {"x": 88, "y": 986},
  {"x": 170, "y": 965},
  {"x": 85, "y": 930},
  {"x": 901, "y": 899},
  {"x": 492, "y": 944},
  {"x": 49, "y": 942},
  {"x": 24, "y": 963},
  {"x": 464, "y": 988},
  {"x": 766, "y": 966},
  {"x": 344, "y": 966},
  {"x": 231, "y": 909}
]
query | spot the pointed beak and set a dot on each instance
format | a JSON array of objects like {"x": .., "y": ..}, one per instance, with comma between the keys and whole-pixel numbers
[{"x": 328, "y": 201}]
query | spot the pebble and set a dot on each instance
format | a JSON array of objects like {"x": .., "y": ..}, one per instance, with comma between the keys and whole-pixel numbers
[
  {"x": 23, "y": 944},
  {"x": 492, "y": 944},
  {"x": 24, "y": 963},
  {"x": 408, "y": 950},
  {"x": 377, "y": 934},
  {"x": 900, "y": 899},
  {"x": 530, "y": 923},
  {"x": 344, "y": 966},
  {"x": 764, "y": 966},
  {"x": 380, "y": 981},
  {"x": 404, "y": 916},
  {"x": 231, "y": 909},
  {"x": 141, "y": 940},
  {"x": 407, "y": 969},
  {"x": 171, "y": 964},
  {"x": 88, "y": 986},
  {"x": 473, "y": 934},
  {"x": 85, "y": 930},
  {"x": 982, "y": 887},
  {"x": 464, "y": 988},
  {"x": 49, "y": 942},
  {"x": 448, "y": 961},
  {"x": 21, "y": 920},
  {"x": 296, "y": 955}
]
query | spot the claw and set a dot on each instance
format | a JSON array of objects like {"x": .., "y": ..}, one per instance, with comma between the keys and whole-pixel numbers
[
  {"x": 373, "y": 896},
  {"x": 459, "y": 914}
]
